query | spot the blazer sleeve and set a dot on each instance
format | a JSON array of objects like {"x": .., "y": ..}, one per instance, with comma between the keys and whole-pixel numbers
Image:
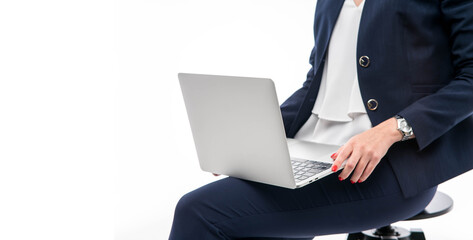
[
  {"x": 434, "y": 115},
  {"x": 290, "y": 107}
]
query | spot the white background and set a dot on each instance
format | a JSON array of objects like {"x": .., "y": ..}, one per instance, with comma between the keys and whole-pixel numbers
[{"x": 94, "y": 138}]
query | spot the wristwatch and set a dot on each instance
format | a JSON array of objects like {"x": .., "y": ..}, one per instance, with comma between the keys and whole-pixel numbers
[{"x": 404, "y": 128}]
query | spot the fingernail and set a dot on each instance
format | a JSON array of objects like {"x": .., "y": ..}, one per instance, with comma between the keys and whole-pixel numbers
[
  {"x": 359, "y": 181},
  {"x": 352, "y": 182},
  {"x": 334, "y": 156},
  {"x": 340, "y": 178},
  {"x": 334, "y": 168}
]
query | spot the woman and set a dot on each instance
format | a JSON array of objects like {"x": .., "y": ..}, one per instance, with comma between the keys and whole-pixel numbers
[{"x": 391, "y": 81}]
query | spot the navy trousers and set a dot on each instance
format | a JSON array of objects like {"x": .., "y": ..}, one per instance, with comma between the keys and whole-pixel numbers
[{"x": 237, "y": 209}]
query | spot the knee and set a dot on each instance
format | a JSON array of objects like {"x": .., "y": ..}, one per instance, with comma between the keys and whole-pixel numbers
[
  {"x": 194, "y": 218},
  {"x": 186, "y": 222},
  {"x": 187, "y": 206}
]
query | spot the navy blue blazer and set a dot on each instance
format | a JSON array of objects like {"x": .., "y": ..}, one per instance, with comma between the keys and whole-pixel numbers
[{"x": 421, "y": 68}]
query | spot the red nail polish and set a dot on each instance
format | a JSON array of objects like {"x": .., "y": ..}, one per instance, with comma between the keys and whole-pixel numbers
[
  {"x": 352, "y": 182},
  {"x": 334, "y": 168},
  {"x": 359, "y": 181},
  {"x": 340, "y": 178},
  {"x": 333, "y": 156}
]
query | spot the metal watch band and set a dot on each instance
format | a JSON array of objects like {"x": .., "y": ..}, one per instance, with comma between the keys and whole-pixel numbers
[{"x": 404, "y": 128}]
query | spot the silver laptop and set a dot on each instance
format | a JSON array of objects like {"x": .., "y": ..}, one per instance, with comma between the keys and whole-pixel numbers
[{"x": 238, "y": 131}]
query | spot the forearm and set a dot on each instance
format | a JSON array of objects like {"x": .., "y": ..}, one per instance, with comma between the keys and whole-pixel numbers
[{"x": 434, "y": 115}]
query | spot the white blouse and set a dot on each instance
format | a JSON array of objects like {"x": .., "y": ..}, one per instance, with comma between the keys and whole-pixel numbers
[{"x": 339, "y": 112}]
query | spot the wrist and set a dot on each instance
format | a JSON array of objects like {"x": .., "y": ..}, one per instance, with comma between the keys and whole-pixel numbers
[{"x": 390, "y": 130}]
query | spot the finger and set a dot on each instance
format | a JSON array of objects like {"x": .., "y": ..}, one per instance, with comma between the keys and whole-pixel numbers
[
  {"x": 342, "y": 155},
  {"x": 368, "y": 170},
  {"x": 360, "y": 169},
  {"x": 352, "y": 162}
]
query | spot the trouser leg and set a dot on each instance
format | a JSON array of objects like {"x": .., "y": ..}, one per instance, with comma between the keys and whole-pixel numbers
[{"x": 238, "y": 209}]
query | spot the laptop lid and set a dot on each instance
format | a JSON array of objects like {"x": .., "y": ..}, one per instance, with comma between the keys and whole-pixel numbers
[{"x": 237, "y": 127}]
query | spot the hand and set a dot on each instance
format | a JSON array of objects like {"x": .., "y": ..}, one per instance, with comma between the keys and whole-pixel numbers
[{"x": 365, "y": 150}]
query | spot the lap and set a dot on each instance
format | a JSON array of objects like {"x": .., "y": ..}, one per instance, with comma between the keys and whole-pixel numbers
[{"x": 242, "y": 208}]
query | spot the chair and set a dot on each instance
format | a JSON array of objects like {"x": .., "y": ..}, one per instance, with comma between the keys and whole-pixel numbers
[{"x": 440, "y": 204}]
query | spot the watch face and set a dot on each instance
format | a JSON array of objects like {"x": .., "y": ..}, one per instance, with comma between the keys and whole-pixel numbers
[{"x": 404, "y": 126}]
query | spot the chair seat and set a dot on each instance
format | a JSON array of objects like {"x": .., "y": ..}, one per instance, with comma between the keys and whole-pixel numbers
[{"x": 440, "y": 204}]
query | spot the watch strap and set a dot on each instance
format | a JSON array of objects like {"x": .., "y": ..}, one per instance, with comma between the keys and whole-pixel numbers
[{"x": 406, "y": 135}]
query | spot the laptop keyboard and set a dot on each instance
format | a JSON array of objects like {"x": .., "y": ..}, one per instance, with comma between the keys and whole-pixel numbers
[{"x": 304, "y": 169}]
